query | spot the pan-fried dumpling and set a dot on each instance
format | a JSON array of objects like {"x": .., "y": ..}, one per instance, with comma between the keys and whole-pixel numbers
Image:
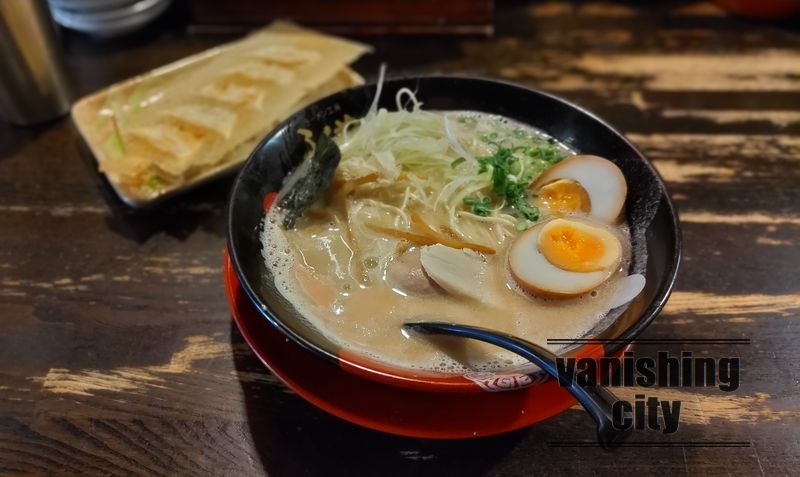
[
  {"x": 254, "y": 71},
  {"x": 235, "y": 94},
  {"x": 217, "y": 119},
  {"x": 165, "y": 137},
  {"x": 287, "y": 55},
  {"x": 192, "y": 116}
]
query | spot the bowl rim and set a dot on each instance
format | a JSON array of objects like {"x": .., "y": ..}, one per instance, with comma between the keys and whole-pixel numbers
[{"x": 374, "y": 369}]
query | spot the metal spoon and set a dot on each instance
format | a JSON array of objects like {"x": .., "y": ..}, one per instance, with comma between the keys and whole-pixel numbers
[{"x": 597, "y": 400}]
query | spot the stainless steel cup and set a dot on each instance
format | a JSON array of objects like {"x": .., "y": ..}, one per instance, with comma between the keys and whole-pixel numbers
[{"x": 33, "y": 85}]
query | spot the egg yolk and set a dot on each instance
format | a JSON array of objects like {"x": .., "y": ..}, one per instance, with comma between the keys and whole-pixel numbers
[
  {"x": 563, "y": 197},
  {"x": 578, "y": 247}
]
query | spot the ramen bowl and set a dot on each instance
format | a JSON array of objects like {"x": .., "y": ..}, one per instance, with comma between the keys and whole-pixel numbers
[{"x": 654, "y": 228}]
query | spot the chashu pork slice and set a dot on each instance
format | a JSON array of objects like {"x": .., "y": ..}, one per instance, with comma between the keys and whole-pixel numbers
[
  {"x": 405, "y": 274},
  {"x": 460, "y": 272}
]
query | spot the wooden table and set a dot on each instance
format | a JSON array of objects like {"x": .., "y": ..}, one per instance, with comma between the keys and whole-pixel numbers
[{"x": 118, "y": 354}]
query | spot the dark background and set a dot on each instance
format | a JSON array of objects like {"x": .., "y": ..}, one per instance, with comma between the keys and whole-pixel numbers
[{"x": 118, "y": 356}]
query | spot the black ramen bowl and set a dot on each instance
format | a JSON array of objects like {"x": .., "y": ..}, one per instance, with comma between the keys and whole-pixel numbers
[{"x": 655, "y": 231}]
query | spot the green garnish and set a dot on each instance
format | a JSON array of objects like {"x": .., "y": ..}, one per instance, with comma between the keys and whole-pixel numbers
[
  {"x": 490, "y": 137},
  {"x": 548, "y": 154},
  {"x": 530, "y": 212},
  {"x": 153, "y": 184},
  {"x": 113, "y": 146},
  {"x": 504, "y": 167},
  {"x": 511, "y": 176},
  {"x": 482, "y": 207},
  {"x": 520, "y": 133},
  {"x": 457, "y": 162},
  {"x": 508, "y": 181},
  {"x": 468, "y": 121}
]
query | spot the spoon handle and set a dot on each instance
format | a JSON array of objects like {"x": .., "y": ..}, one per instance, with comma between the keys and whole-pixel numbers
[{"x": 597, "y": 401}]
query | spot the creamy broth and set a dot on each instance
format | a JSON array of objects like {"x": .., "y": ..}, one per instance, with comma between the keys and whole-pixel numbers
[{"x": 342, "y": 274}]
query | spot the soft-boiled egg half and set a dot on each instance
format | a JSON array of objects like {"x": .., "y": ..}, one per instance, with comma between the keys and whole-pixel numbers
[
  {"x": 564, "y": 257},
  {"x": 582, "y": 185}
]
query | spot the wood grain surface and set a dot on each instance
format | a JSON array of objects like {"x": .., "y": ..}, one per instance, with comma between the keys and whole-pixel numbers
[{"x": 118, "y": 355}]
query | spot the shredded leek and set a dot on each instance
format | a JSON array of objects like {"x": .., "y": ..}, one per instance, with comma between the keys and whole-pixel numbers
[{"x": 466, "y": 173}]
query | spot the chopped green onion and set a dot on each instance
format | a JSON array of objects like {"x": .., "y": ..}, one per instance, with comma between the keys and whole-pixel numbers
[
  {"x": 468, "y": 121},
  {"x": 457, "y": 162},
  {"x": 480, "y": 207},
  {"x": 520, "y": 133},
  {"x": 507, "y": 184}
]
